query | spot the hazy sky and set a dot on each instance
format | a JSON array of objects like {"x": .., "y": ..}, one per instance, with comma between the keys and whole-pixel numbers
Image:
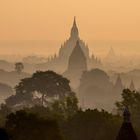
[{"x": 52, "y": 19}]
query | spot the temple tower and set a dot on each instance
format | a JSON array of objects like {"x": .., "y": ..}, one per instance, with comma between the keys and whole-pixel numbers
[
  {"x": 74, "y": 31},
  {"x": 126, "y": 131},
  {"x": 118, "y": 84},
  {"x": 77, "y": 64}
]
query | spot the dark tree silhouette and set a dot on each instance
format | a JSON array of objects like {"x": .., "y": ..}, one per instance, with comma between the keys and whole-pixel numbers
[
  {"x": 26, "y": 126},
  {"x": 4, "y": 111},
  {"x": 91, "y": 125},
  {"x": 67, "y": 108},
  {"x": 60, "y": 110},
  {"x": 131, "y": 99},
  {"x": 48, "y": 84}
]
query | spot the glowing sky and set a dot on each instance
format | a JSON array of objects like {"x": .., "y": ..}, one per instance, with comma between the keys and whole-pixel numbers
[{"x": 52, "y": 19}]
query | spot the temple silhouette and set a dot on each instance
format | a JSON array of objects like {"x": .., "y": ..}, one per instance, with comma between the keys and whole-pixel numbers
[
  {"x": 132, "y": 86},
  {"x": 68, "y": 46},
  {"x": 126, "y": 131},
  {"x": 59, "y": 62},
  {"x": 77, "y": 64},
  {"x": 118, "y": 87}
]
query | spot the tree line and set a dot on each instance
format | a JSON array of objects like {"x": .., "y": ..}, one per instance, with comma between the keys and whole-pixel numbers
[{"x": 45, "y": 107}]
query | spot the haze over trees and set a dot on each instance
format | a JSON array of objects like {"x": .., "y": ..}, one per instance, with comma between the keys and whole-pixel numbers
[
  {"x": 95, "y": 84},
  {"x": 45, "y": 105},
  {"x": 5, "y": 91},
  {"x": 88, "y": 124},
  {"x": 42, "y": 88},
  {"x": 24, "y": 126},
  {"x": 131, "y": 99},
  {"x": 11, "y": 78},
  {"x": 60, "y": 117}
]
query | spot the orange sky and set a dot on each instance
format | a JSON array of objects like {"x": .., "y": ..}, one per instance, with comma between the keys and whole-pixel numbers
[{"x": 52, "y": 19}]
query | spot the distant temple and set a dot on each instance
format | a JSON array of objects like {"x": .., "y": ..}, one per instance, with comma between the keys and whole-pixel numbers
[
  {"x": 118, "y": 87},
  {"x": 68, "y": 46},
  {"x": 59, "y": 62},
  {"x": 111, "y": 54},
  {"x": 111, "y": 57},
  {"x": 77, "y": 64},
  {"x": 126, "y": 131}
]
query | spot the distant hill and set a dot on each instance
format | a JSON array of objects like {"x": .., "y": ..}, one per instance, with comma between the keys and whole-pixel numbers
[
  {"x": 5, "y": 91},
  {"x": 12, "y": 78},
  {"x": 33, "y": 59},
  {"x": 10, "y": 66},
  {"x": 6, "y": 65}
]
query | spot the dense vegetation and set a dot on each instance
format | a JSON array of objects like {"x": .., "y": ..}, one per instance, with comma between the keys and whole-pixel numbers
[
  {"x": 60, "y": 118},
  {"x": 43, "y": 123}
]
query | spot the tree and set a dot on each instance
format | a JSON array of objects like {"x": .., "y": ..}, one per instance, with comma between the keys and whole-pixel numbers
[
  {"x": 4, "y": 111},
  {"x": 26, "y": 126},
  {"x": 19, "y": 67},
  {"x": 42, "y": 88},
  {"x": 91, "y": 125},
  {"x": 131, "y": 99},
  {"x": 60, "y": 110},
  {"x": 66, "y": 108}
]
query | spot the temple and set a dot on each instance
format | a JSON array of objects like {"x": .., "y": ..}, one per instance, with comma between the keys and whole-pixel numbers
[
  {"x": 68, "y": 46},
  {"x": 126, "y": 131},
  {"x": 118, "y": 87},
  {"x": 59, "y": 62},
  {"x": 77, "y": 64}
]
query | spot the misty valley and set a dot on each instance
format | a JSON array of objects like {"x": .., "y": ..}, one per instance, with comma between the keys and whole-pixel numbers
[{"x": 71, "y": 95}]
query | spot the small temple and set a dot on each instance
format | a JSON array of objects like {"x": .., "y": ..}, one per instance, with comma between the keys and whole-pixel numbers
[
  {"x": 126, "y": 131},
  {"x": 118, "y": 86}
]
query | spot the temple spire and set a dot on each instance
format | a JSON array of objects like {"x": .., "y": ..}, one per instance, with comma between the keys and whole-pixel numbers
[
  {"x": 126, "y": 131},
  {"x": 74, "y": 30},
  {"x": 118, "y": 83},
  {"x": 74, "y": 22}
]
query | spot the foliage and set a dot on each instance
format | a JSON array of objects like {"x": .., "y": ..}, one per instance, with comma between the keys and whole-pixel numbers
[
  {"x": 60, "y": 110},
  {"x": 74, "y": 124},
  {"x": 48, "y": 85},
  {"x": 4, "y": 111},
  {"x": 131, "y": 99},
  {"x": 91, "y": 125},
  {"x": 38, "y": 123},
  {"x": 67, "y": 108},
  {"x": 24, "y": 126}
]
